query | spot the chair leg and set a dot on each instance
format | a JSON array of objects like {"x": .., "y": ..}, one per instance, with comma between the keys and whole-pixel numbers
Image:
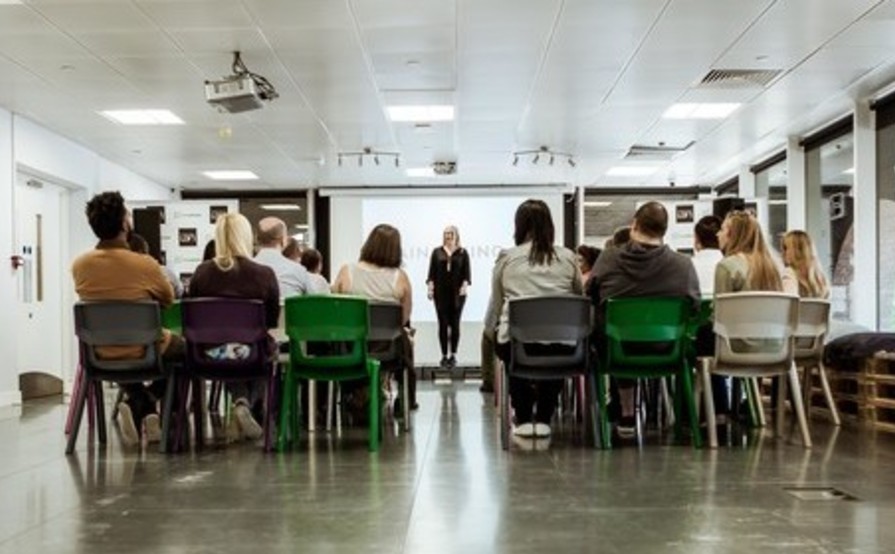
[
  {"x": 167, "y": 414},
  {"x": 689, "y": 400},
  {"x": 781, "y": 404},
  {"x": 312, "y": 405},
  {"x": 374, "y": 406},
  {"x": 406, "y": 403},
  {"x": 670, "y": 418},
  {"x": 504, "y": 406},
  {"x": 605, "y": 433},
  {"x": 831, "y": 403},
  {"x": 270, "y": 403},
  {"x": 806, "y": 388},
  {"x": 330, "y": 391},
  {"x": 100, "y": 407},
  {"x": 118, "y": 400},
  {"x": 79, "y": 404},
  {"x": 589, "y": 404},
  {"x": 753, "y": 389},
  {"x": 709, "y": 401},
  {"x": 797, "y": 407},
  {"x": 286, "y": 432},
  {"x": 75, "y": 391}
]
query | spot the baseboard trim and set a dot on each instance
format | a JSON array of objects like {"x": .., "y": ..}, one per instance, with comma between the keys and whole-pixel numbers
[{"x": 10, "y": 398}]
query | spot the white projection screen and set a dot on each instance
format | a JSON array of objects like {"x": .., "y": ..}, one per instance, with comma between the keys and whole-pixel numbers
[{"x": 485, "y": 222}]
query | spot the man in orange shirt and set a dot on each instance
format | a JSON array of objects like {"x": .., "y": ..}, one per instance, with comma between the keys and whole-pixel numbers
[{"x": 113, "y": 272}]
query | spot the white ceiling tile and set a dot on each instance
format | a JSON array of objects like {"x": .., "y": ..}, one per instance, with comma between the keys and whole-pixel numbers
[
  {"x": 304, "y": 14},
  {"x": 200, "y": 14},
  {"x": 126, "y": 43},
  {"x": 205, "y": 41},
  {"x": 97, "y": 16},
  {"x": 40, "y": 45}
]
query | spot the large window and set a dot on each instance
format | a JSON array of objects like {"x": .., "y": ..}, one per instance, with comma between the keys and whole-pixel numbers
[
  {"x": 829, "y": 167},
  {"x": 770, "y": 183},
  {"x": 885, "y": 179}
]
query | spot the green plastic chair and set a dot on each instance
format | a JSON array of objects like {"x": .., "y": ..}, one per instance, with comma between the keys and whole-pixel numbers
[
  {"x": 172, "y": 319},
  {"x": 646, "y": 338},
  {"x": 343, "y": 322}
]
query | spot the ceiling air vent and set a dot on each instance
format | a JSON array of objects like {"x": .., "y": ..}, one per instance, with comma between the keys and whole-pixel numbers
[
  {"x": 739, "y": 78},
  {"x": 661, "y": 152}
]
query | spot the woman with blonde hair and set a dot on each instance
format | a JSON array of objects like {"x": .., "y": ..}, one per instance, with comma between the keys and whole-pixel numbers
[
  {"x": 802, "y": 265},
  {"x": 747, "y": 264},
  {"x": 233, "y": 274},
  {"x": 449, "y": 277}
]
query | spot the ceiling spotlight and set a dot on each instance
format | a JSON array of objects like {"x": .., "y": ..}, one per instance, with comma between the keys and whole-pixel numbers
[
  {"x": 376, "y": 159},
  {"x": 571, "y": 162},
  {"x": 535, "y": 159},
  {"x": 360, "y": 161},
  {"x": 546, "y": 152},
  {"x": 515, "y": 160},
  {"x": 340, "y": 160},
  {"x": 375, "y": 155},
  {"x": 396, "y": 161},
  {"x": 552, "y": 159}
]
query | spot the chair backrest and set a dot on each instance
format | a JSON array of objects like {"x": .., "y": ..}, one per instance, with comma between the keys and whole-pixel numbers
[
  {"x": 118, "y": 323},
  {"x": 702, "y": 317},
  {"x": 646, "y": 332},
  {"x": 814, "y": 322},
  {"x": 209, "y": 322},
  {"x": 336, "y": 325},
  {"x": 552, "y": 319},
  {"x": 386, "y": 323},
  {"x": 755, "y": 328},
  {"x": 172, "y": 318}
]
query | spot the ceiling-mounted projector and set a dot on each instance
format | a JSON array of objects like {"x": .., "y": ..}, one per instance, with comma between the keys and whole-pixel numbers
[
  {"x": 235, "y": 94},
  {"x": 241, "y": 92}
]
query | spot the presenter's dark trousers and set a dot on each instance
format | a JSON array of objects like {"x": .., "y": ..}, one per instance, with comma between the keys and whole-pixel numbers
[{"x": 449, "y": 311}]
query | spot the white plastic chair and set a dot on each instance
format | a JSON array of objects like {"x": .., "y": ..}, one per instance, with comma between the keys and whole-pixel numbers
[
  {"x": 755, "y": 338},
  {"x": 814, "y": 317}
]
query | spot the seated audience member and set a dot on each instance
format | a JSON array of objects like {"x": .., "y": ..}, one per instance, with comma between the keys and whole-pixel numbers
[
  {"x": 534, "y": 267},
  {"x": 747, "y": 264},
  {"x": 313, "y": 262},
  {"x": 113, "y": 272},
  {"x": 377, "y": 275},
  {"x": 293, "y": 250},
  {"x": 208, "y": 253},
  {"x": 707, "y": 254},
  {"x": 138, "y": 244},
  {"x": 644, "y": 266},
  {"x": 233, "y": 274},
  {"x": 586, "y": 257},
  {"x": 291, "y": 276},
  {"x": 619, "y": 238},
  {"x": 802, "y": 267}
]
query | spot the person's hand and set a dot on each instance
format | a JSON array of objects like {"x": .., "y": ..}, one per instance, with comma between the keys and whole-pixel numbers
[
  {"x": 431, "y": 292},
  {"x": 463, "y": 289}
]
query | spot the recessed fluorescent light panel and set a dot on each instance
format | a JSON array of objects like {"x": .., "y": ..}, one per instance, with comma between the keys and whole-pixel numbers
[
  {"x": 142, "y": 117},
  {"x": 282, "y": 208},
  {"x": 631, "y": 171},
  {"x": 420, "y": 114},
  {"x": 597, "y": 204},
  {"x": 420, "y": 172},
  {"x": 231, "y": 175},
  {"x": 711, "y": 110},
  {"x": 849, "y": 171}
]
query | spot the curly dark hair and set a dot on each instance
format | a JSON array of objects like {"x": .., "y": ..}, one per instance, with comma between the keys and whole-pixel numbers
[{"x": 106, "y": 213}]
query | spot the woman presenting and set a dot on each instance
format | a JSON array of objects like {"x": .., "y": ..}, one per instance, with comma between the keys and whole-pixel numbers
[{"x": 449, "y": 276}]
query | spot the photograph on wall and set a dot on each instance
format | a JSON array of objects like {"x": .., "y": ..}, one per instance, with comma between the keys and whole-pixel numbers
[
  {"x": 751, "y": 208},
  {"x": 214, "y": 212},
  {"x": 684, "y": 213},
  {"x": 161, "y": 213},
  {"x": 187, "y": 236},
  {"x": 185, "y": 280}
]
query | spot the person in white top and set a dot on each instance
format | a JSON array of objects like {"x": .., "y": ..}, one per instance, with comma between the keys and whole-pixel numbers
[
  {"x": 291, "y": 276},
  {"x": 377, "y": 275},
  {"x": 707, "y": 253}
]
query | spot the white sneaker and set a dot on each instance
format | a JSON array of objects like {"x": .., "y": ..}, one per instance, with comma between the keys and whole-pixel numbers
[
  {"x": 129, "y": 434},
  {"x": 524, "y": 430},
  {"x": 152, "y": 428},
  {"x": 247, "y": 424},
  {"x": 542, "y": 430}
]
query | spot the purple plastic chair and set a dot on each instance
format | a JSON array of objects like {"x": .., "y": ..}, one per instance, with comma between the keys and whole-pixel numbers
[{"x": 209, "y": 322}]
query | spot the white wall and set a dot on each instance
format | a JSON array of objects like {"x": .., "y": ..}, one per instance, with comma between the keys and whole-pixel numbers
[{"x": 30, "y": 148}]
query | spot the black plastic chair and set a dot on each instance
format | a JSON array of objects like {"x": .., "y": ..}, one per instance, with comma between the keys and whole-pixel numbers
[
  {"x": 386, "y": 328},
  {"x": 107, "y": 324},
  {"x": 563, "y": 319},
  {"x": 209, "y": 322}
]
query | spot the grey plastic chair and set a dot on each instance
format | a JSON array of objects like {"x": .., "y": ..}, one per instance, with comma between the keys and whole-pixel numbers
[
  {"x": 113, "y": 323},
  {"x": 754, "y": 337},
  {"x": 814, "y": 322},
  {"x": 548, "y": 319},
  {"x": 386, "y": 328}
]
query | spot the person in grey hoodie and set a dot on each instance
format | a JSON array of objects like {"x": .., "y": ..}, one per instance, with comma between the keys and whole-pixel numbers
[{"x": 644, "y": 266}]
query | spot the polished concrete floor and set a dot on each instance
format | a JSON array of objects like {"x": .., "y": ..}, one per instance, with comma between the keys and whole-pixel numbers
[{"x": 445, "y": 487}]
